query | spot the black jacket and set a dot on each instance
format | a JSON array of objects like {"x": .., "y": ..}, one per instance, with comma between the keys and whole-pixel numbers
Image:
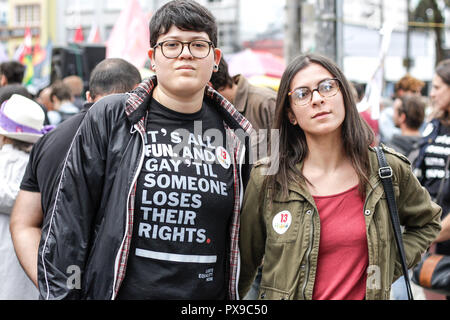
[{"x": 87, "y": 233}]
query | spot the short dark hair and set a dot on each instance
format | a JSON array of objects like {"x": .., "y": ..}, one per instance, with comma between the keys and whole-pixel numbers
[
  {"x": 113, "y": 75},
  {"x": 414, "y": 109},
  {"x": 7, "y": 91},
  {"x": 13, "y": 71},
  {"x": 185, "y": 15},
  {"x": 221, "y": 79},
  {"x": 60, "y": 91}
]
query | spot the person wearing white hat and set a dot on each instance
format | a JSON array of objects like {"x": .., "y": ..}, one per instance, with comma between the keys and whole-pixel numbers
[{"x": 21, "y": 125}]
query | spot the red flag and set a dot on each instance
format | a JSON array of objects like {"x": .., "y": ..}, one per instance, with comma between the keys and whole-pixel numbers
[
  {"x": 78, "y": 35},
  {"x": 129, "y": 39}
]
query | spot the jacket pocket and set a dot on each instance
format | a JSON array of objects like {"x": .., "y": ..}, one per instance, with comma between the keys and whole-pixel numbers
[
  {"x": 283, "y": 218},
  {"x": 267, "y": 293}
]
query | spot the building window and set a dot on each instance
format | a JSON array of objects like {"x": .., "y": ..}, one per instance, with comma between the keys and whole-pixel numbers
[{"x": 27, "y": 15}]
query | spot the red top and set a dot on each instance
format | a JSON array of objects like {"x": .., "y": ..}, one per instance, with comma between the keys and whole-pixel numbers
[{"x": 343, "y": 253}]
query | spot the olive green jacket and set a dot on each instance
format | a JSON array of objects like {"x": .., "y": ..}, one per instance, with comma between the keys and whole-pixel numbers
[{"x": 290, "y": 259}]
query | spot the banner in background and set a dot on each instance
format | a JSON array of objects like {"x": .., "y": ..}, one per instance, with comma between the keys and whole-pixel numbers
[
  {"x": 27, "y": 58},
  {"x": 42, "y": 68},
  {"x": 374, "y": 88},
  {"x": 129, "y": 38}
]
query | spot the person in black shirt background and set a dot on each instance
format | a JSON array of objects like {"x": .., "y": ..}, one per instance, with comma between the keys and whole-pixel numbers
[
  {"x": 432, "y": 163},
  {"x": 38, "y": 184}
]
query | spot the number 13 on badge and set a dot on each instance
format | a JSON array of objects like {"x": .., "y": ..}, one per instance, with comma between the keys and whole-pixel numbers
[
  {"x": 282, "y": 221},
  {"x": 223, "y": 157}
]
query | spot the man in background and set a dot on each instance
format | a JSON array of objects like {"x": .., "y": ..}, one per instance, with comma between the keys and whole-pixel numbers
[
  {"x": 257, "y": 104},
  {"x": 75, "y": 83},
  {"x": 407, "y": 85},
  {"x": 33, "y": 202},
  {"x": 62, "y": 100},
  {"x": 11, "y": 72},
  {"x": 409, "y": 114}
]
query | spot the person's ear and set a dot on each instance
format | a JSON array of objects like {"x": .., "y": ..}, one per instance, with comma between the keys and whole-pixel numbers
[
  {"x": 292, "y": 118},
  {"x": 151, "y": 53},
  {"x": 217, "y": 57},
  {"x": 88, "y": 97},
  {"x": 402, "y": 117}
]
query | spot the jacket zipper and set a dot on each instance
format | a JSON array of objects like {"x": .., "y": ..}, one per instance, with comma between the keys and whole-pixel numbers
[
  {"x": 364, "y": 209},
  {"x": 241, "y": 190},
  {"x": 117, "y": 262},
  {"x": 308, "y": 252},
  {"x": 368, "y": 196}
]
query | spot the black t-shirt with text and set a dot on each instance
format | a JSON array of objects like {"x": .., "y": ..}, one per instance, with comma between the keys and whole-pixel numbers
[
  {"x": 184, "y": 202},
  {"x": 436, "y": 155}
]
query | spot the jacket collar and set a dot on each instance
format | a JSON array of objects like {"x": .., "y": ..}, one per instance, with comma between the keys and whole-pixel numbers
[
  {"x": 303, "y": 190},
  {"x": 241, "y": 93},
  {"x": 138, "y": 101}
]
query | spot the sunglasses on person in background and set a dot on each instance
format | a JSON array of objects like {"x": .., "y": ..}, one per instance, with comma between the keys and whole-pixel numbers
[
  {"x": 326, "y": 88},
  {"x": 172, "y": 49}
]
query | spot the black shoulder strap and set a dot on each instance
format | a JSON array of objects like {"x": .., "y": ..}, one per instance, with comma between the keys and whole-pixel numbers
[{"x": 385, "y": 173}]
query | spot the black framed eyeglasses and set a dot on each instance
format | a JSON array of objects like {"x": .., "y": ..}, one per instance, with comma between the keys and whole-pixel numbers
[
  {"x": 326, "y": 88},
  {"x": 172, "y": 49}
]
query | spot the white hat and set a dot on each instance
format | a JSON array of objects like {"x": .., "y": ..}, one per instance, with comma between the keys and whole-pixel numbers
[{"x": 21, "y": 119}]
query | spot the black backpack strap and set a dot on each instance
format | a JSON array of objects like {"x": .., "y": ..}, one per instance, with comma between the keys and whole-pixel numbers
[{"x": 385, "y": 172}]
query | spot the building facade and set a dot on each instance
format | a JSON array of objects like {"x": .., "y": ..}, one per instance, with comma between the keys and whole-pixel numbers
[
  {"x": 104, "y": 13},
  {"x": 57, "y": 20},
  {"x": 364, "y": 20},
  {"x": 359, "y": 41},
  {"x": 38, "y": 15}
]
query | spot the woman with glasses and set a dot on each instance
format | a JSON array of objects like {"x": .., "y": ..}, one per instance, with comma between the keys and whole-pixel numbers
[{"x": 321, "y": 221}]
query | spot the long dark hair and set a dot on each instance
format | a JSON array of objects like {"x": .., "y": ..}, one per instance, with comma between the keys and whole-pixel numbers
[
  {"x": 443, "y": 71},
  {"x": 293, "y": 149}
]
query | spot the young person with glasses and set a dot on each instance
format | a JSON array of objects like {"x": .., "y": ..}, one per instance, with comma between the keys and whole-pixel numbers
[
  {"x": 149, "y": 198},
  {"x": 321, "y": 221}
]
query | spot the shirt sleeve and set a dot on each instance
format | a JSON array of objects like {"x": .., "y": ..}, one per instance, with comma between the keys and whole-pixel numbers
[
  {"x": 29, "y": 181},
  {"x": 67, "y": 227}
]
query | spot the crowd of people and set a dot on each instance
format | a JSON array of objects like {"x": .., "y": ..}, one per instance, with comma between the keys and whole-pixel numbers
[{"x": 195, "y": 184}]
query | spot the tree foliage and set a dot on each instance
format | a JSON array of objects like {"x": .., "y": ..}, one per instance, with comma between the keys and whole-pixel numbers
[{"x": 427, "y": 11}]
